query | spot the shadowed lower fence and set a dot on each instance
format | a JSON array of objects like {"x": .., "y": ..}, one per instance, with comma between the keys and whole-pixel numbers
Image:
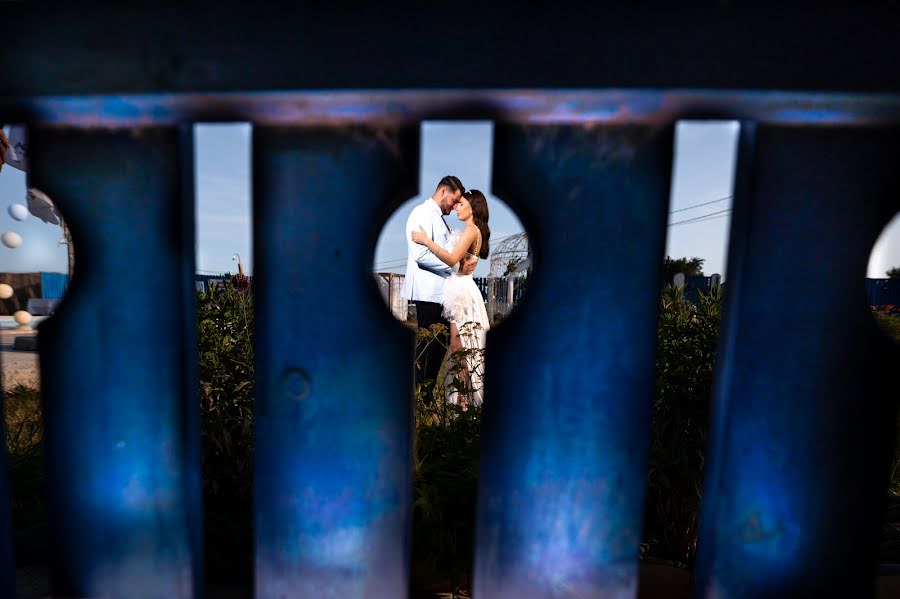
[{"x": 801, "y": 437}]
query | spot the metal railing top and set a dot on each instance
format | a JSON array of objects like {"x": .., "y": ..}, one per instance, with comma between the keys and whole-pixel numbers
[{"x": 408, "y": 106}]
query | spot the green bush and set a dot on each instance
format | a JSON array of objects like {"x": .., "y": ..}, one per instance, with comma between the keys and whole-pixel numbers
[
  {"x": 24, "y": 435},
  {"x": 24, "y": 424},
  {"x": 445, "y": 477},
  {"x": 687, "y": 336},
  {"x": 225, "y": 340},
  {"x": 889, "y": 323}
]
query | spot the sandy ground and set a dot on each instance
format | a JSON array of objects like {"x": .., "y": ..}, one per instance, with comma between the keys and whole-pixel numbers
[{"x": 18, "y": 367}]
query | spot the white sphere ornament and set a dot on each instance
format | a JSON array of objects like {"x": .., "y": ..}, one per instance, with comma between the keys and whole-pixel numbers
[
  {"x": 22, "y": 317},
  {"x": 18, "y": 212},
  {"x": 6, "y": 291},
  {"x": 11, "y": 240}
]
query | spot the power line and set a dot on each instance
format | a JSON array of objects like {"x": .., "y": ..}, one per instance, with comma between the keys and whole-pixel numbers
[
  {"x": 702, "y": 204},
  {"x": 710, "y": 216}
]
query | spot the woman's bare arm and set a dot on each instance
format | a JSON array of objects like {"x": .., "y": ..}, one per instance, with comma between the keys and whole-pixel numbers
[{"x": 448, "y": 258}]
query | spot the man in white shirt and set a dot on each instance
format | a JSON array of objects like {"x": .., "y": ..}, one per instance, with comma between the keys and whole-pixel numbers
[{"x": 425, "y": 275}]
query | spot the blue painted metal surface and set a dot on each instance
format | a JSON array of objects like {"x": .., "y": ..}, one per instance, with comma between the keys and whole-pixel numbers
[
  {"x": 333, "y": 430},
  {"x": 190, "y": 406},
  {"x": 802, "y": 429},
  {"x": 118, "y": 367},
  {"x": 571, "y": 371},
  {"x": 53, "y": 285}
]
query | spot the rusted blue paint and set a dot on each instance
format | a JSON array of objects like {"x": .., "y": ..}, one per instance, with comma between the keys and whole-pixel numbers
[
  {"x": 570, "y": 372},
  {"x": 802, "y": 429},
  {"x": 333, "y": 429},
  {"x": 386, "y": 107},
  {"x": 191, "y": 377},
  {"x": 118, "y": 367}
]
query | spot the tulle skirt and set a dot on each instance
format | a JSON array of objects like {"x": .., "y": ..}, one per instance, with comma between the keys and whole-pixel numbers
[{"x": 464, "y": 306}]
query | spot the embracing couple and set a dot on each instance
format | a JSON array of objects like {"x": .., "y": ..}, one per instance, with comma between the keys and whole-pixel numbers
[{"x": 439, "y": 280}]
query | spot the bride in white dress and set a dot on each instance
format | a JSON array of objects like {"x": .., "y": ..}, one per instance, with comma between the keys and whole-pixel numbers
[{"x": 463, "y": 303}]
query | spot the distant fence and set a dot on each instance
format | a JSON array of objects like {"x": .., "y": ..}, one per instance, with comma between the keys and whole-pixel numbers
[
  {"x": 390, "y": 284},
  {"x": 883, "y": 292},
  {"x": 30, "y": 286},
  {"x": 204, "y": 283},
  {"x": 494, "y": 291},
  {"x": 696, "y": 284},
  {"x": 880, "y": 292}
]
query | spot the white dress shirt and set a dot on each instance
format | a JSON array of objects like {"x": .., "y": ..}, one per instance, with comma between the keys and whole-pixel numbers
[{"x": 425, "y": 273}]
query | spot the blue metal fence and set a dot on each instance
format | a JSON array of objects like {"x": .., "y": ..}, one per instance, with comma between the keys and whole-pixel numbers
[{"x": 797, "y": 466}]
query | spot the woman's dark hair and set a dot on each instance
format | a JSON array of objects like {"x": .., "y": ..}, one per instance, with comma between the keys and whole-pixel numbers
[{"x": 480, "y": 216}]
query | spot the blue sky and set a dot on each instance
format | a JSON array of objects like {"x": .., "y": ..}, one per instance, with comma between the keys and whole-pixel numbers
[
  {"x": 222, "y": 167},
  {"x": 703, "y": 172}
]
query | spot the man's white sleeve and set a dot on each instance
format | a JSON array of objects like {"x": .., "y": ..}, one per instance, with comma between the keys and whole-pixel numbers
[{"x": 421, "y": 254}]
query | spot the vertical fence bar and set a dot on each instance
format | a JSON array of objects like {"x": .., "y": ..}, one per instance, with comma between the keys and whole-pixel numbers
[
  {"x": 121, "y": 461},
  {"x": 570, "y": 372},
  {"x": 333, "y": 480},
  {"x": 191, "y": 377},
  {"x": 803, "y": 424}
]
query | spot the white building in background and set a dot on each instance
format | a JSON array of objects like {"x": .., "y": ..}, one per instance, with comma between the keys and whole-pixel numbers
[{"x": 390, "y": 284}]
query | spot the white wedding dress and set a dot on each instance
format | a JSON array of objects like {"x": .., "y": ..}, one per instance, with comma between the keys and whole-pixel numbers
[{"x": 464, "y": 306}]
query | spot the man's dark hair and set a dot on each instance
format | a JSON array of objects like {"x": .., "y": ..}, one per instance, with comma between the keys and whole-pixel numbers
[{"x": 452, "y": 183}]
